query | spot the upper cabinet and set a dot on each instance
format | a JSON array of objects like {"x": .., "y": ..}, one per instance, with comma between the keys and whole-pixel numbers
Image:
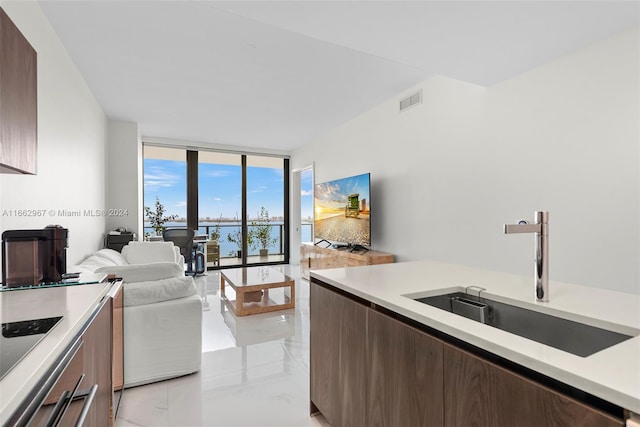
[{"x": 18, "y": 100}]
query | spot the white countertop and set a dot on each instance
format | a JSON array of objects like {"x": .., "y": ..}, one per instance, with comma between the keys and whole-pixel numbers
[
  {"x": 612, "y": 374},
  {"x": 74, "y": 303}
]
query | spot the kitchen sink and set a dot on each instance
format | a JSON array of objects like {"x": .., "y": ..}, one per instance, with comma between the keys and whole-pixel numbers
[{"x": 567, "y": 335}]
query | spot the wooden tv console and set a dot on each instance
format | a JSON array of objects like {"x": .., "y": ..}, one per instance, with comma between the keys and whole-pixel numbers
[{"x": 318, "y": 258}]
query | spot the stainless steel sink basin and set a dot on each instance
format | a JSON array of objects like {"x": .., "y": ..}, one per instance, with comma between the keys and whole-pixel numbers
[{"x": 567, "y": 335}]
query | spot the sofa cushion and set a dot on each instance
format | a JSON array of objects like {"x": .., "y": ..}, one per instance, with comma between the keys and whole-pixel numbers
[
  {"x": 146, "y": 252},
  {"x": 144, "y": 272},
  {"x": 140, "y": 293},
  {"x": 91, "y": 264},
  {"x": 110, "y": 255}
]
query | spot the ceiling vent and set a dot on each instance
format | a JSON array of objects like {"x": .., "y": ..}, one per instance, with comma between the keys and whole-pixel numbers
[{"x": 410, "y": 101}]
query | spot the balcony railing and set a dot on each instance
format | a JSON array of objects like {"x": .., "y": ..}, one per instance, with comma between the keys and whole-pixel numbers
[{"x": 228, "y": 249}]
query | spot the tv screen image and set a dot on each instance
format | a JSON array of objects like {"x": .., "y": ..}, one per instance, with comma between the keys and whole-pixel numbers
[{"x": 343, "y": 210}]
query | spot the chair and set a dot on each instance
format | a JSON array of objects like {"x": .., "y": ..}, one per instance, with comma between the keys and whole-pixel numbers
[
  {"x": 213, "y": 253},
  {"x": 183, "y": 239}
]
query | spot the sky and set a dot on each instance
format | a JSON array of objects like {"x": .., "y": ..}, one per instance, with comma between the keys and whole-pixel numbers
[
  {"x": 306, "y": 195},
  {"x": 219, "y": 189},
  {"x": 333, "y": 195}
]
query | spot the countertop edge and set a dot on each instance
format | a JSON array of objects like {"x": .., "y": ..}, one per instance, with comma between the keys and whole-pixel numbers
[{"x": 468, "y": 330}]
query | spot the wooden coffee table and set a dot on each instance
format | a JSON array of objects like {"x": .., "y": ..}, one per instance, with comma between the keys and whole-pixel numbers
[{"x": 252, "y": 285}]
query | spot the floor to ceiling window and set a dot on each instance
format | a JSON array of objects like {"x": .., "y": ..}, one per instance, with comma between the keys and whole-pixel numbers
[
  {"x": 220, "y": 204},
  {"x": 265, "y": 209},
  {"x": 239, "y": 201},
  {"x": 165, "y": 189}
]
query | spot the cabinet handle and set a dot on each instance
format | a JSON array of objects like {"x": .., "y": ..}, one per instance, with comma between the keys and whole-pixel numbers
[
  {"x": 115, "y": 287},
  {"x": 66, "y": 398},
  {"x": 87, "y": 405},
  {"x": 61, "y": 408},
  {"x": 28, "y": 409},
  {"x": 56, "y": 410}
]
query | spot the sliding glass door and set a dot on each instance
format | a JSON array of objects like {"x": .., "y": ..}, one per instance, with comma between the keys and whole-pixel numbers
[
  {"x": 265, "y": 209},
  {"x": 220, "y": 206}
]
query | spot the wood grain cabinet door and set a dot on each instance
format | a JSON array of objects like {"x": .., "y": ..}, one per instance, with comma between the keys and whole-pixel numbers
[
  {"x": 18, "y": 100},
  {"x": 405, "y": 381},
  {"x": 337, "y": 358},
  {"x": 90, "y": 367},
  {"x": 98, "y": 365},
  {"x": 479, "y": 393}
]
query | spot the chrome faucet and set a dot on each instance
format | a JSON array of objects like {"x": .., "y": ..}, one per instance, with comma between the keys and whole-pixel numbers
[{"x": 541, "y": 228}]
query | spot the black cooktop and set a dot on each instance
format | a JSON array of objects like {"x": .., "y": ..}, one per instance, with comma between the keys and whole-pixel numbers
[{"x": 18, "y": 338}]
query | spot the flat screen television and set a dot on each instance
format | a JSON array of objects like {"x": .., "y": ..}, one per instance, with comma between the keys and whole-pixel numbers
[{"x": 343, "y": 211}]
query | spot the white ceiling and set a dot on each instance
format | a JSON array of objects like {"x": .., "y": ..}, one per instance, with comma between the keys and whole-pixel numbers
[{"x": 276, "y": 74}]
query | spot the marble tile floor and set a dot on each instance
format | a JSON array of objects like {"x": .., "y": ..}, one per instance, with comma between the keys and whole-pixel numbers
[{"x": 255, "y": 370}]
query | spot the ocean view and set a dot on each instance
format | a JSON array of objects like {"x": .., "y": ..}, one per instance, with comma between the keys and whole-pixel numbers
[
  {"x": 228, "y": 248},
  {"x": 220, "y": 195}
]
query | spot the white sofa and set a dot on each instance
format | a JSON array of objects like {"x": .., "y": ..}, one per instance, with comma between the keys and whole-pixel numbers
[{"x": 162, "y": 310}]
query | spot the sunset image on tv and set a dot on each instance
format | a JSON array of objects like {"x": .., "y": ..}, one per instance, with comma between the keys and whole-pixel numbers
[{"x": 342, "y": 210}]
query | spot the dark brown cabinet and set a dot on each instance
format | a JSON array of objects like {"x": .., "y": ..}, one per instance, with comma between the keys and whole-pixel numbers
[
  {"x": 480, "y": 393},
  {"x": 91, "y": 370},
  {"x": 338, "y": 346},
  {"x": 97, "y": 364},
  {"x": 369, "y": 368},
  {"x": 405, "y": 385},
  {"x": 18, "y": 100}
]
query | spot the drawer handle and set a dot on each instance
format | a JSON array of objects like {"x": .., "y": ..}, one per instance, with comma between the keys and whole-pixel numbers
[
  {"x": 87, "y": 405},
  {"x": 61, "y": 408},
  {"x": 57, "y": 408}
]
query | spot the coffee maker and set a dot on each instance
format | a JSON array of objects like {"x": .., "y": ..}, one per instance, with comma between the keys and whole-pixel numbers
[{"x": 33, "y": 257}]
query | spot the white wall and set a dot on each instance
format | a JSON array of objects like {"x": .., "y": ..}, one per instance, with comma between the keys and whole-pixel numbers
[
  {"x": 71, "y": 145},
  {"x": 448, "y": 173},
  {"x": 124, "y": 176}
]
